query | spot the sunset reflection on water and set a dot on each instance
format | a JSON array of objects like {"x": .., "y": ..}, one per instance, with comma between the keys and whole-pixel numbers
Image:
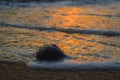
[
  {"x": 84, "y": 48},
  {"x": 65, "y": 17},
  {"x": 81, "y": 47}
]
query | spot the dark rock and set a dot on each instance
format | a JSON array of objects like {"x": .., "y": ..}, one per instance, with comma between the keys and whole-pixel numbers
[{"x": 50, "y": 53}]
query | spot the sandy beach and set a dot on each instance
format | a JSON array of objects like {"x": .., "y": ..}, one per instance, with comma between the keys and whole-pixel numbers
[{"x": 19, "y": 71}]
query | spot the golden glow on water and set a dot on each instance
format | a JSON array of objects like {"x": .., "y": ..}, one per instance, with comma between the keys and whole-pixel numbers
[
  {"x": 81, "y": 47},
  {"x": 91, "y": 17},
  {"x": 85, "y": 48}
]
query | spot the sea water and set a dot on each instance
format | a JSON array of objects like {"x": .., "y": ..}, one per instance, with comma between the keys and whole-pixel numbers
[{"x": 86, "y": 30}]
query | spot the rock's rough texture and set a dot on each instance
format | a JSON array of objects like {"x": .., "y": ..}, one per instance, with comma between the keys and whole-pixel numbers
[{"x": 50, "y": 53}]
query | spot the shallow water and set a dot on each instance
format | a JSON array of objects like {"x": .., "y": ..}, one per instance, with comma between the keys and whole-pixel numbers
[{"x": 67, "y": 25}]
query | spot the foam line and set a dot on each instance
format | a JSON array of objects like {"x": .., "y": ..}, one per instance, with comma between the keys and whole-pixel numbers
[
  {"x": 109, "y": 33},
  {"x": 111, "y": 65}
]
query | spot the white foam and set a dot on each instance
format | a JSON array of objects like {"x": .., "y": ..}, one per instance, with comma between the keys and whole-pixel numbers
[{"x": 110, "y": 65}]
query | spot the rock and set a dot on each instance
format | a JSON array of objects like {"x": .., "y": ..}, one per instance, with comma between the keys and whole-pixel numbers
[{"x": 50, "y": 53}]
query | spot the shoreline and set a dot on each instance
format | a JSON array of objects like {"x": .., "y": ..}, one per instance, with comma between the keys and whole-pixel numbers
[{"x": 19, "y": 71}]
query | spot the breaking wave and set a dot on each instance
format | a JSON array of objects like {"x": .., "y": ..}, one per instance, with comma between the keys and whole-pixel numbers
[
  {"x": 109, "y": 33},
  {"x": 86, "y": 1},
  {"x": 6, "y": 2},
  {"x": 27, "y": 3}
]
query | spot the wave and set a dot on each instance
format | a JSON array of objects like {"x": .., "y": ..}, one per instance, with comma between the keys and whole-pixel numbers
[
  {"x": 110, "y": 65},
  {"x": 28, "y": 3},
  {"x": 24, "y": 1},
  {"x": 109, "y": 33},
  {"x": 79, "y": 1},
  {"x": 88, "y": 1}
]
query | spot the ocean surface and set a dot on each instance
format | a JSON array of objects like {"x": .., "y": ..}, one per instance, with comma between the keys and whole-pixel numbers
[{"x": 86, "y": 30}]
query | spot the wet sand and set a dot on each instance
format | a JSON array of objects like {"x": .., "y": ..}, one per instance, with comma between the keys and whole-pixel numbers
[{"x": 19, "y": 71}]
